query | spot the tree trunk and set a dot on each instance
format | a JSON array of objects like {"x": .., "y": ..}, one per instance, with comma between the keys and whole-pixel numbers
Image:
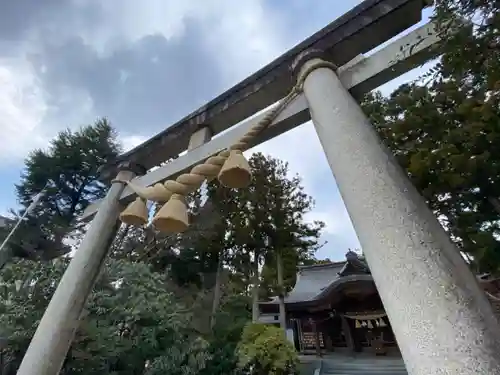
[
  {"x": 217, "y": 292},
  {"x": 117, "y": 245},
  {"x": 495, "y": 203},
  {"x": 281, "y": 287},
  {"x": 255, "y": 288}
]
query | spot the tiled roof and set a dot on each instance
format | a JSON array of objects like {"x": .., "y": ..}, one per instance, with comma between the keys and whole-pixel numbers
[{"x": 313, "y": 281}]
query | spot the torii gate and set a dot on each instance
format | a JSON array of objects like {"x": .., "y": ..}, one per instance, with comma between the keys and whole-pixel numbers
[{"x": 441, "y": 318}]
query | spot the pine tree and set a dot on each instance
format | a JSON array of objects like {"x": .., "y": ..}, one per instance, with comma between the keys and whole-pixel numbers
[
  {"x": 68, "y": 173},
  {"x": 444, "y": 129},
  {"x": 268, "y": 224}
]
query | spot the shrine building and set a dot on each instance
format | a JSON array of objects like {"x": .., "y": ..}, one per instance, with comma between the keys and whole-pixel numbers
[{"x": 335, "y": 307}]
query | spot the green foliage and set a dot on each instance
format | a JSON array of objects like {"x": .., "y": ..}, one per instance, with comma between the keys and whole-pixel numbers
[
  {"x": 234, "y": 309},
  {"x": 214, "y": 265},
  {"x": 266, "y": 217},
  {"x": 235, "y": 232},
  {"x": 444, "y": 130},
  {"x": 69, "y": 171},
  {"x": 132, "y": 323},
  {"x": 137, "y": 322},
  {"x": 25, "y": 291},
  {"x": 233, "y": 315},
  {"x": 264, "y": 349}
]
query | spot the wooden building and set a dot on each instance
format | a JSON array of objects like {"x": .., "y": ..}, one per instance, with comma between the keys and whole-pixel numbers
[{"x": 336, "y": 307}]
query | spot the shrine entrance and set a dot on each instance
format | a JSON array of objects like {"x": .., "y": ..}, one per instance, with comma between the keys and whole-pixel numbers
[
  {"x": 339, "y": 333},
  {"x": 335, "y": 307}
]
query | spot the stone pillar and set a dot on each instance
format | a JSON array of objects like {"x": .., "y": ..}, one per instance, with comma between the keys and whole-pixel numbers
[
  {"x": 53, "y": 337},
  {"x": 441, "y": 318}
]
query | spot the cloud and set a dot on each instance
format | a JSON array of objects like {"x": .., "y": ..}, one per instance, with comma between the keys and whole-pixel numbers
[
  {"x": 21, "y": 109},
  {"x": 301, "y": 148},
  {"x": 130, "y": 141},
  {"x": 146, "y": 64}
]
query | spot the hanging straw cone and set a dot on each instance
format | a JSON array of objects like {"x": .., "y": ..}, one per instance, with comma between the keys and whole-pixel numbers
[
  {"x": 136, "y": 213},
  {"x": 381, "y": 323},
  {"x": 173, "y": 216},
  {"x": 370, "y": 325},
  {"x": 235, "y": 172},
  {"x": 358, "y": 324}
]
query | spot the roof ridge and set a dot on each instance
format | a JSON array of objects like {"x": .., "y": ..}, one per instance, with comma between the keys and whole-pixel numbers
[{"x": 321, "y": 265}]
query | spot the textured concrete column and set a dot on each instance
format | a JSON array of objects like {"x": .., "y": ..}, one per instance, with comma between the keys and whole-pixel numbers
[
  {"x": 53, "y": 337},
  {"x": 441, "y": 318}
]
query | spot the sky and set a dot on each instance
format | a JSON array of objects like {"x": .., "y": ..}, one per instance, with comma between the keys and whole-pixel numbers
[{"x": 146, "y": 64}]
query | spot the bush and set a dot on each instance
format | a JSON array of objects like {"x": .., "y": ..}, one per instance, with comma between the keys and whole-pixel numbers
[
  {"x": 232, "y": 317},
  {"x": 264, "y": 350}
]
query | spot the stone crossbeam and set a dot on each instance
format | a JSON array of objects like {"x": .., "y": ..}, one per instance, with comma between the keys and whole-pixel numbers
[
  {"x": 360, "y": 75},
  {"x": 358, "y": 31}
]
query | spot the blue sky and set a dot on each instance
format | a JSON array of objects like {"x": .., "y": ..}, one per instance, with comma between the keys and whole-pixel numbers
[{"x": 144, "y": 65}]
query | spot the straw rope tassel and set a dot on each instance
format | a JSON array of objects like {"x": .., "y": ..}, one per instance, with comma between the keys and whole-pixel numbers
[{"x": 174, "y": 191}]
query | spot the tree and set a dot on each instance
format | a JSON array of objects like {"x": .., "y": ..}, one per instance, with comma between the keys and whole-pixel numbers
[
  {"x": 231, "y": 317},
  {"x": 26, "y": 289},
  {"x": 197, "y": 265},
  {"x": 444, "y": 130},
  {"x": 68, "y": 170},
  {"x": 132, "y": 323},
  {"x": 193, "y": 260},
  {"x": 288, "y": 235},
  {"x": 268, "y": 223},
  {"x": 234, "y": 232},
  {"x": 264, "y": 349}
]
